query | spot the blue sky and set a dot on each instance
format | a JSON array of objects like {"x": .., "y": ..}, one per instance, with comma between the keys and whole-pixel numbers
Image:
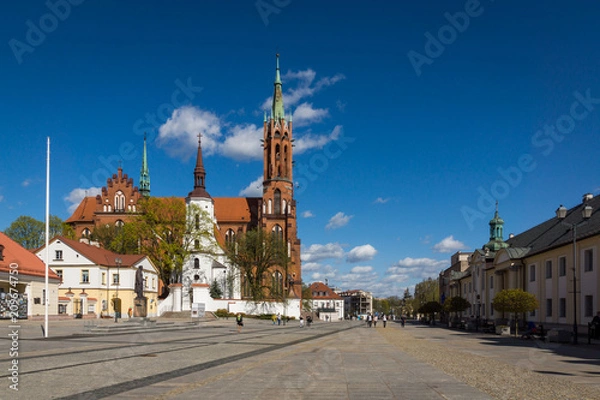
[{"x": 410, "y": 118}]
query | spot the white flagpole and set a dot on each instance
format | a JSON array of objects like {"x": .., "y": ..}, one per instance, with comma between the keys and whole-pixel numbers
[{"x": 47, "y": 295}]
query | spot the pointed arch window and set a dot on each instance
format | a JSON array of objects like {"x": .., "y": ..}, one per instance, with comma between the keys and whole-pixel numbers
[
  {"x": 277, "y": 201},
  {"x": 119, "y": 224},
  {"x": 119, "y": 201},
  {"x": 230, "y": 237},
  {"x": 196, "y": 263},
  {"x": 277, "y": 284},
  {"x": 245, "y": 288},
  {"x": 277, "y": 232},
  {"x": 270, "y": 206}
]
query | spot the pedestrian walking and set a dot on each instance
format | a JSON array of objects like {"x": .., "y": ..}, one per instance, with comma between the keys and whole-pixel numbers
[
  {"x": 369, "y": 320},
  {"x": 301, "y": 322},
  {"x": 375, "y": 321},
  {"x": 239, "y": 321},
  {"x": 384, "y": 319},
  {"x": 278, "y": 319}
]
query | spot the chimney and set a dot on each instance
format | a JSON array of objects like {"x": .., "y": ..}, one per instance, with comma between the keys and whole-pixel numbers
[
  {"x": 587, "y": 197},
  {"x": 512, "y": 235}
]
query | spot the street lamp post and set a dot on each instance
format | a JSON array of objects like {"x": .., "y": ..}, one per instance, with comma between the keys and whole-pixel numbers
[
  {"x": 561, "y": 213},
  {"x": 117, "y": 300}
]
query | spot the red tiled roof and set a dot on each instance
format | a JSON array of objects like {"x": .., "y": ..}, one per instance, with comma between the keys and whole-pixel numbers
[
  {"x": 238, "y": 209},
  {"x": 100, "y": 256},
  {"x": 323, "y": 288},
  {"x": 28, "y": 263},
  {"x": 84, "y": 211}
]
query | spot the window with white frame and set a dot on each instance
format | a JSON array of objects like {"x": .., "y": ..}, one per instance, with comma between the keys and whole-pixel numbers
[
  {"x": 549, "y": 269},
  {"x": 562, "y": 307},
  {"x": 588, "y": 306},
  {"x": 58, "y": 255},
  {"x": 588, "y": 260},
  {"x": 562, "y": 266},
  {"x": 85, "y": 276}
]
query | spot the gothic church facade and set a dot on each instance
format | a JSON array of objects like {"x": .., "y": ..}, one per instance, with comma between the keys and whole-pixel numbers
[{"x": 228, "y": 217}]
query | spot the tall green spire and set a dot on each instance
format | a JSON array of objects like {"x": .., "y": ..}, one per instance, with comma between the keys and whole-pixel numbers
[
  {"x": 277, "y": 109},
  {"x": 145, "y": 174}
]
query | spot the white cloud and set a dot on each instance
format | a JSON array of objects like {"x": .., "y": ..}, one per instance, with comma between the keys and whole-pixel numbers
[
  {"x": 327, "y": 272},
  {"x": 26, "y": 182},
  {"x": 307, "y": 214},
  {"x": 310, "y": 141},
  {"x": 317, "y": 252},
  {"x": 1, "y": 198},
  {"x": 448, "y": 245},
  {"x": 361, "y": 253},
  {"x": 340, "y": 105},
  {"x": 416, "y": 268},
  {"x": 243, "y": 143},
  {"x": 303, "y": 88},
  {"x": 254, "y": 189},
  {"x": 361, "y": 270},
  {"x": 311, "y": 266},
  {"x": 305, "y": 114},
  {"x": 179, "y": 134},
  {"x": 426, "y": 239},
  {"x": 381, "y": 200},
  {"x": 76, "y": 195},
  {"x": 338, "y": 220}
]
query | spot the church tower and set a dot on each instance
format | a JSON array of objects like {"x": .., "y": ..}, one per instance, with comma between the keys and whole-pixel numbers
[
  {"x": 496, "y": 233},
  {"x": 145, "y": 174},
  {"x": 278, "y": 205}
]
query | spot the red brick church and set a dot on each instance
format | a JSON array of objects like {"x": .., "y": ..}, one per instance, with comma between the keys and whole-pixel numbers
[{"x": 274, "y": 212}]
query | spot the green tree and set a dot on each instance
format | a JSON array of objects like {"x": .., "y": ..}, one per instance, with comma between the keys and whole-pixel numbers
[
  {"x": 306, "y": 298},
  {"x": 255, "y": 254},
  {"x": 215, "y": 290},
  {"x": 430, "y": 308},
  {"x": 456, "y": 304},
  {"x": 514, "y": 301},
  {"x": 425, "y": 291},
  {"x": 30, "y": 233},
  {"x": 168, "y": 231},
  {"x": 120, "y": 239}
]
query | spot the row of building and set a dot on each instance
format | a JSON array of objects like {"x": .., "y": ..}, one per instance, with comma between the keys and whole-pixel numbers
[{"x": 557, "y": 261}]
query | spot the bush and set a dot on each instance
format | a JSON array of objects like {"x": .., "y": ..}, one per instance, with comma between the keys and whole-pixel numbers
[{"x": 223, "y": 313}]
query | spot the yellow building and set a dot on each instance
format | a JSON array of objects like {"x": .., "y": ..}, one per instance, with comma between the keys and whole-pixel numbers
[
  {"x": 557, "y": 261},
  {"x": 92, "y": 277}
]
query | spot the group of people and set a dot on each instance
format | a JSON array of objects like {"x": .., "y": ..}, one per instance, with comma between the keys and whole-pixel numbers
[{"x": 372, "y": 320}]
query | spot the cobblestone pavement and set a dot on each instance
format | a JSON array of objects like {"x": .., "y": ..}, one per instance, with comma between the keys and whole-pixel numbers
[{"x": 342, "y": 360}]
